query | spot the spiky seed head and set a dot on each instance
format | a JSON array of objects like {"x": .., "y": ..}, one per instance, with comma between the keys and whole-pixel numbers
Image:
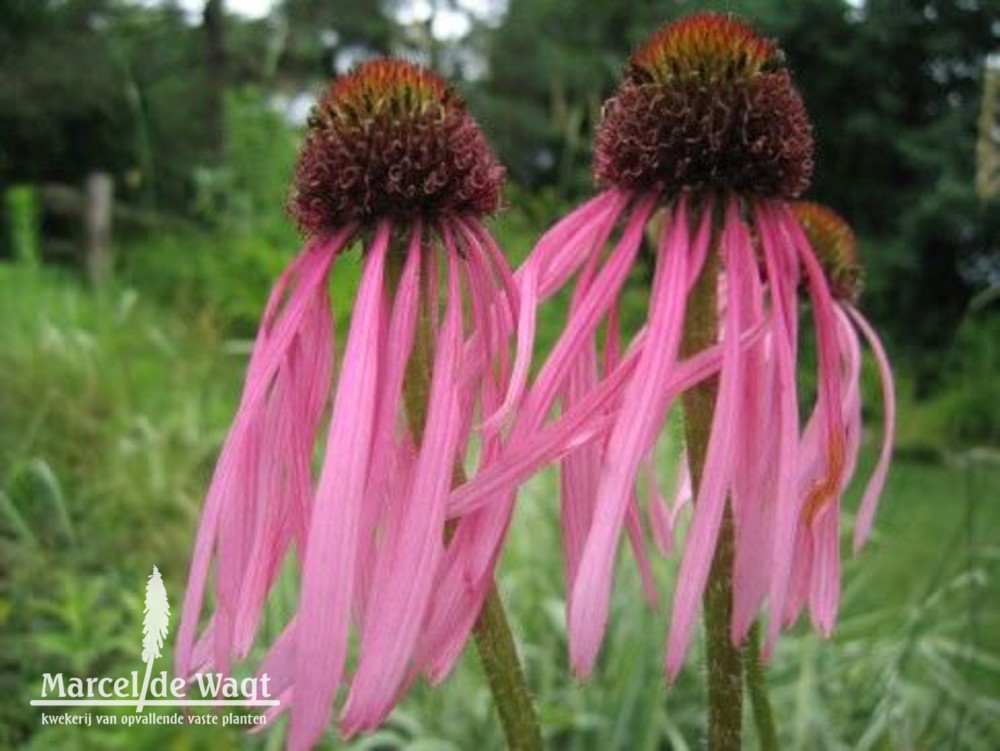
[
  {"x": 392, "y": 139},
  {"x": 835, "y": 245},
  {"x": 706, "y": 105}
]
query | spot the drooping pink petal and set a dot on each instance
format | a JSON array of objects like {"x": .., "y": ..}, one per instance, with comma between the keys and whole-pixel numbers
[
  {"x": 641, "y": 416},
  {"x": 593, "y": 306},
  {"x": 579, "y": 472},
  {"x": 754, "y": 479},
  {"x": 330, "y": 556},
  {"x": 799, "y": 585},
  {"x": 716, "y": 477},
  {"x": 873, "y": 491},
  {"x": 782, "y": 283},
  {"x": 587, "y": 420},
  {"x": 824, "y": 593},
  {"x": 562, "y": 249},
  {"x": 402, "y": 584},
  {"x": 659, "y": 514},
  {"x": 682, "y": 489},
  {"x": 276, "y": 335},
  {"x": 390, "y": 454},
  {"x": 829, "y": 371},
  {"x": 637, "y": 541},
  {"x": 559, "y": 258},
  {"x": 285, "y": 487},
  {"x": 466, "y": 572}
]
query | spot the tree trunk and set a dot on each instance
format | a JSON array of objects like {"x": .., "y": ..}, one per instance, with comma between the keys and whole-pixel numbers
[{"x": 216, "y": 64}]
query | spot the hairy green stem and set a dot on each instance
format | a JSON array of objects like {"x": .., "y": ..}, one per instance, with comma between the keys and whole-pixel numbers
[
  {"x": 763, "y": 717},
  {"x": 493, "y": 637},
  {"x": 725, "y": 665}
]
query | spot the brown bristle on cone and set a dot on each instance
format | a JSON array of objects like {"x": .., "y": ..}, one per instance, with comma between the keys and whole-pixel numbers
[
  {"x": 392, "y": 139},
  {"x": 835, "y": 246},
  {"x": 706, "y": 106}
]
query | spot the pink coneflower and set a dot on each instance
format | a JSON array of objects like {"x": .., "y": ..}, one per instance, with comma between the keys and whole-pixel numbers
[
  {"x": 394, "y": 162},
  {"x": 708, "y": 132},
  {"x": 816, "y": 567}
]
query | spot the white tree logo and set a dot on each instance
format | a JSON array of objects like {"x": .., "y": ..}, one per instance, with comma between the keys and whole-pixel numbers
[{"x": 155, "y": 624}]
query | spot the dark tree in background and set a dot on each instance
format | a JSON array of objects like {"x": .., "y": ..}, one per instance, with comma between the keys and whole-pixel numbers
[
  {"x": 217, "y": 65},
  {"x": 63, "y": 108}
]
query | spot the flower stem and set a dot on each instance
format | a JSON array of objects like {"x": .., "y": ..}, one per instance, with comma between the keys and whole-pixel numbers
[
  {"x": 763, "y": 717},
  {"x": 725, "y": 665},
  {"x": 493, "y": 637}
]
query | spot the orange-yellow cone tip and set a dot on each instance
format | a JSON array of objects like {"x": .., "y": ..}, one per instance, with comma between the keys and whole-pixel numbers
[
  {"x": 708, "y": 45},
  {"x": 835, "y": 245}
]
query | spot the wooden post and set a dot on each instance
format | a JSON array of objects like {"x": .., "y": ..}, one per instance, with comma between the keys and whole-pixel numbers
[
  {"x": 988, "y": 144},
  {"x": 98, "y": 205}
]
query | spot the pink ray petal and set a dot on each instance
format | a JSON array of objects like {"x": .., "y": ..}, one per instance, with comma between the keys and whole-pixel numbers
[
  {"x": 644, "y": 406},
  {"x": 402, "y": 586},
  {"x": 716, "y": 477},
  {"x": 782, "y": 288},
  {"x": 273, "y": 340},
  {"x": 869, "y": 501},
  {"x": 824, "y": 593},
  {"x": 331, "y": 551},
  {"x": 391, "y": 457},
  {"x": 537, "y": 279},
  {"x": 585, "y": 421}
]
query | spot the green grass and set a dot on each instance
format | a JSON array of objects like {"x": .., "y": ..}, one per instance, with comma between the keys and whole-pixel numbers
[{"x": 113, "y": 408}]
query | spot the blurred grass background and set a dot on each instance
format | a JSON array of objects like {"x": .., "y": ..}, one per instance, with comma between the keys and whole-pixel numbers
[{"x": 115, "y": 393}]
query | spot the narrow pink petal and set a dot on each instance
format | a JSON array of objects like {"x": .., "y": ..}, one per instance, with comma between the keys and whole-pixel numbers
[
  {"x": 827, "y": 341},
  {"x": 873, "y": 491},
  {"x": 798, "y": 588},
  {"x": 637, "y": 541},
  {"x": 547, "y": 267},
  {"x": 594, "y": 305},
  {"x": 716, "y": 477},
  {"x": 659, "y": 522},
  {"x": 466, "y": 573},
  {"x": 491, "y": 262},
  {"x": 272, "y": 343},
  {"x": 850, "y": 390},
  {"x": 390, "y": 460},
  {"x": 754, "y": 481},
  {"x": 641, "y": 416},
  {"x": 295, "y": 408},
  {"x": 824, "y": 595},
  {"x": 578, "y": 472},
  {"x": 584, "y": 422},
  {"x": 331, "y": 551},
  {"x": 782, "y": 287},
  {"x": 402, "y": 587},
  {"x": 561, "y": 257},
  {"x": 525, "y": 344},
  {"x": 683, "y": 491}
]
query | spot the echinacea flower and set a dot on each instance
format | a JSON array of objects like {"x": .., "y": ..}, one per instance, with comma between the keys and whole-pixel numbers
[
  {"x": 816, "y": 567},
  {"x": 707, "y": 137},
  {"x": 394, "y": 162}
]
